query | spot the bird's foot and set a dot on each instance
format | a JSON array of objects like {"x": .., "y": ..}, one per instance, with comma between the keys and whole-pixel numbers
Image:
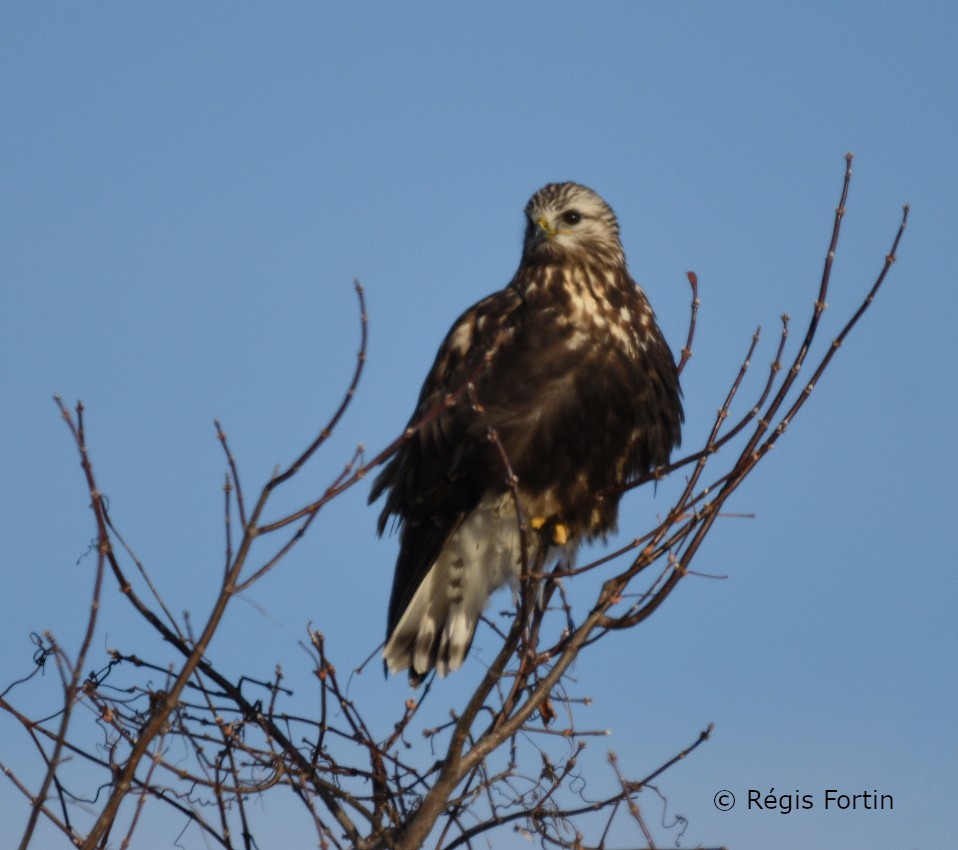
[{"x": 560, "y": 532}]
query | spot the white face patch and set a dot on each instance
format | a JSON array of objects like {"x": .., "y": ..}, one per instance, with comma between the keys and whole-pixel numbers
[{"x": 575, "y": 220}]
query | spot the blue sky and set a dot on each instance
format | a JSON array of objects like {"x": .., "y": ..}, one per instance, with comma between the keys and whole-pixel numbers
[{"x": 187, "y": 192}]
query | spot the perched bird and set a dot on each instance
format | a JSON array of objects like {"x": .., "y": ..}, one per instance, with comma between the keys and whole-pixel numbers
[{"x": 582, "y": 392}]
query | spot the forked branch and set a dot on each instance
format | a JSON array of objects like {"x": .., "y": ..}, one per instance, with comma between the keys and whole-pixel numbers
[{"x": 180, "y": 733}]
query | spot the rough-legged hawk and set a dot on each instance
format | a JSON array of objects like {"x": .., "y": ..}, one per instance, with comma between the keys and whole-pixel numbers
[{"x": 583, "y": 394}]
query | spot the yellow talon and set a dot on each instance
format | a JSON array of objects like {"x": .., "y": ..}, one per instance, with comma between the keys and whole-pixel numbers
[{"x": 560, "y": 532}]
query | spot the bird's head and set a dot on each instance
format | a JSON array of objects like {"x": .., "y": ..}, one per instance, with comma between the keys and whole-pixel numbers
[{"x": 567, "y": 219}]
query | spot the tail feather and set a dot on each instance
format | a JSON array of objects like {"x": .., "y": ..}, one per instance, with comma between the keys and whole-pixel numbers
[{"x": 437, "y": 627}]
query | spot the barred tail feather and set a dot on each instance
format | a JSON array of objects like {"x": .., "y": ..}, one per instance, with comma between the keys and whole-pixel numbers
[{"x": 437, "y": 627}]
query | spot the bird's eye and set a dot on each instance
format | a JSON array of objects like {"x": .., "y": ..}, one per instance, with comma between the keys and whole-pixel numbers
[{"x": 572, "y": 216}]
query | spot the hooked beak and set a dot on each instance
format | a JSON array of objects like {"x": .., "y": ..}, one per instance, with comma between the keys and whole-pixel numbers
[{"x": 543, "y": 231}]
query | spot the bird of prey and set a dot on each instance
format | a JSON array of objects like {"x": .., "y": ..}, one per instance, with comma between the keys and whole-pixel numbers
[{"x": 582, "y": 393}]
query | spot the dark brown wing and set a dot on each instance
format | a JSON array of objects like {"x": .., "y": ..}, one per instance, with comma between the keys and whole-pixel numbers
[{"x": 439, "y": 475}]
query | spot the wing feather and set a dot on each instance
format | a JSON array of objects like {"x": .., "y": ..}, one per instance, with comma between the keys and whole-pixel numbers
[{"x": 439, "y": 475}]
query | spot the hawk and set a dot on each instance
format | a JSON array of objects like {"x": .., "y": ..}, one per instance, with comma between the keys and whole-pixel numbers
[{"x": 582, "y": 392}]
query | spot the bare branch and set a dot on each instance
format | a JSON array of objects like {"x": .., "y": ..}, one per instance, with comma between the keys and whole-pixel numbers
[{"x": 205, "y": 746}]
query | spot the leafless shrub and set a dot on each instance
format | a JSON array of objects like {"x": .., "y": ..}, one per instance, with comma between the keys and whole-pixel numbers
[{"x": 207, "y": 747}]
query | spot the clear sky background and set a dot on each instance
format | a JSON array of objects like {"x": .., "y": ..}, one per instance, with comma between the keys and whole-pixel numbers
[{"x": 187, "y": 191}]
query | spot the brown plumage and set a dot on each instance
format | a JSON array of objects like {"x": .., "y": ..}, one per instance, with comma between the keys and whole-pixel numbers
[{"x": 583, "y": 393}]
